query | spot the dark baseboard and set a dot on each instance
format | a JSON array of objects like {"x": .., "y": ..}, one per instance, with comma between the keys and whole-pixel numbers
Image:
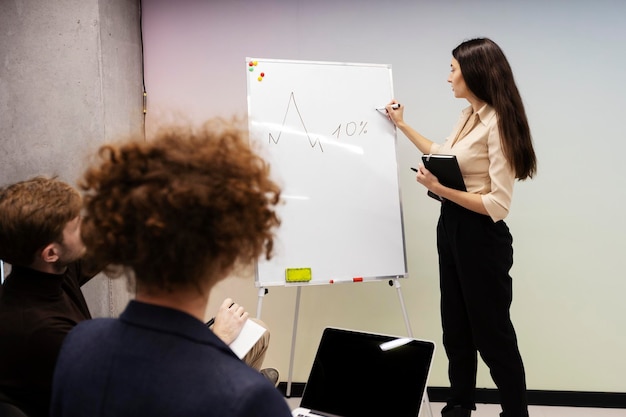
[
  {"x": 541, "y": 397},
  {"x": 297, "y": 388},
  {"x": 535, "y": 397}
]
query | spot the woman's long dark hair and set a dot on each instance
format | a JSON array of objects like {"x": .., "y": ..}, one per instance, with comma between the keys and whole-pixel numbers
[{"x": 488, "y": 75}]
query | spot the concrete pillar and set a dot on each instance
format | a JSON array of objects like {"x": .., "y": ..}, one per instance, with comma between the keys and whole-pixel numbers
[{"x": 70, "y": 80}]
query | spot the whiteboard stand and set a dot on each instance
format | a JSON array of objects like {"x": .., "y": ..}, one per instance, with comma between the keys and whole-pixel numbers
[
  {"x": 293, "y": 343},
  {"x": 259, "y": 304},
  {"x": 396, "y": 282},
  {"x": 261, "y": 293}
]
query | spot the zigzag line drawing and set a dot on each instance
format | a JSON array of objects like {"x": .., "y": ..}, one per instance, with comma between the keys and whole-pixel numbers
[{"x": 313, "y": 142}]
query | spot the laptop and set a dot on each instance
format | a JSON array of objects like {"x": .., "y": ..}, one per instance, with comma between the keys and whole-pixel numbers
[{"x": 359, "y": 374}]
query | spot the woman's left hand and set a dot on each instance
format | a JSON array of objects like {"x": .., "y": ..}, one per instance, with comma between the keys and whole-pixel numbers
[{"x": 426, "y": 178}]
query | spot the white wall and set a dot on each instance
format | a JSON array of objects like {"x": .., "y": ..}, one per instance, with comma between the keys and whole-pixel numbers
[{"x": 568, "y": 223}]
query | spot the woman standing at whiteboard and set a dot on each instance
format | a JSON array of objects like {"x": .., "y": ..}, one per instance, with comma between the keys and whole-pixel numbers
[{"x": 493, "y": 145}]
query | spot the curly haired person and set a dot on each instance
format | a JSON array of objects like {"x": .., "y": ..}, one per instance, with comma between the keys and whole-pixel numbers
[{"x": 179, "y": 213}]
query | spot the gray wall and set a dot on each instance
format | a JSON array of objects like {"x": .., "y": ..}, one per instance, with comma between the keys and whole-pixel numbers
[{"x": 70, "y": 79}]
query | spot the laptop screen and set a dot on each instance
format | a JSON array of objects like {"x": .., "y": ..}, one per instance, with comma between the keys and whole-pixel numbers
[{"x": 358, "y": 374}]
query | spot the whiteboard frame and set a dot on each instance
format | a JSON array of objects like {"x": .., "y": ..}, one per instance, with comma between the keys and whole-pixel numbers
[{"x": 402, "y": 272}]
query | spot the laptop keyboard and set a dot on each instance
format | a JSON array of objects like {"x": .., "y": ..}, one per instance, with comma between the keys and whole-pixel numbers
[{"x": 306, "y": 414}]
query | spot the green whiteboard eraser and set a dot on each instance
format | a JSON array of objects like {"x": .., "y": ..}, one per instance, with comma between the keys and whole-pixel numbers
[{"x": 298, "y": 274}]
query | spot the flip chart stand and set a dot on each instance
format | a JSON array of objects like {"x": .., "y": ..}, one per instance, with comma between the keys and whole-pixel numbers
[{"x": 392, "y": 282}]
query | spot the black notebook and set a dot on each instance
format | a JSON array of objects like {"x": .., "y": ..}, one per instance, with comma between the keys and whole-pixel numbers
[{"x": 446, "y": 169}]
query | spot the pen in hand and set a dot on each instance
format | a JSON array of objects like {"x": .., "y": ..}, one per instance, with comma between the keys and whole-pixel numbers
[{"x": 212, "y": 321}]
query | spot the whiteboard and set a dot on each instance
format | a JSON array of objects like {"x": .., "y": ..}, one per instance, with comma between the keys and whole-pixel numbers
[{"x": 334, "y": 155}]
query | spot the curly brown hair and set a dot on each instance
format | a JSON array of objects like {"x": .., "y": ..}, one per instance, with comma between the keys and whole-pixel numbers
[
  {"x": 33, "y": 214},
  {"x": 181, "y": 209}
]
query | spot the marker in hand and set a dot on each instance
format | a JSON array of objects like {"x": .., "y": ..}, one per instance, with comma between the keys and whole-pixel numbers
[{"x": 393, "y": 106}]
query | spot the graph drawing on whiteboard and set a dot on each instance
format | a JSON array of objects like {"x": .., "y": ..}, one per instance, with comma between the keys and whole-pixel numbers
[{"x": 294, "y": 104}]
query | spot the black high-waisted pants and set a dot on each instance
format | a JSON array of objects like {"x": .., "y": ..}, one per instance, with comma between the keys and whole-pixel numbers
[{"x": 475, "y": 256}]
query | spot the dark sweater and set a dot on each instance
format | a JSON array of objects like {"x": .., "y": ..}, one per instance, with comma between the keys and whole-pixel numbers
[{"x": 37, "y": 311}]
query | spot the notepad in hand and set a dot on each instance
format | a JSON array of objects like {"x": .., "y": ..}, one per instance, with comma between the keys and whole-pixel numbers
[
  {"x": 249, "y": 335},
  {"x": 446, "y": 169}
]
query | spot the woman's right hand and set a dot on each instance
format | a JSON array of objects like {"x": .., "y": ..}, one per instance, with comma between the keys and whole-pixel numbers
[{"x": 395, "y": 115}]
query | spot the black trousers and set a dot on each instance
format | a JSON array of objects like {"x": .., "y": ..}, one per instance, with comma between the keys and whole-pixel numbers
[{"x": 475, "y": 256}]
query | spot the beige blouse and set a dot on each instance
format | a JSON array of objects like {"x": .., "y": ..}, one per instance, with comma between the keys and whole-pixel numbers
[{"x": 476, "y": 143}]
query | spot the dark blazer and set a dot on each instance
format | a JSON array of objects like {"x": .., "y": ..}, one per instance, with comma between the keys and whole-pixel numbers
[{"x": 155, "y": 361}]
